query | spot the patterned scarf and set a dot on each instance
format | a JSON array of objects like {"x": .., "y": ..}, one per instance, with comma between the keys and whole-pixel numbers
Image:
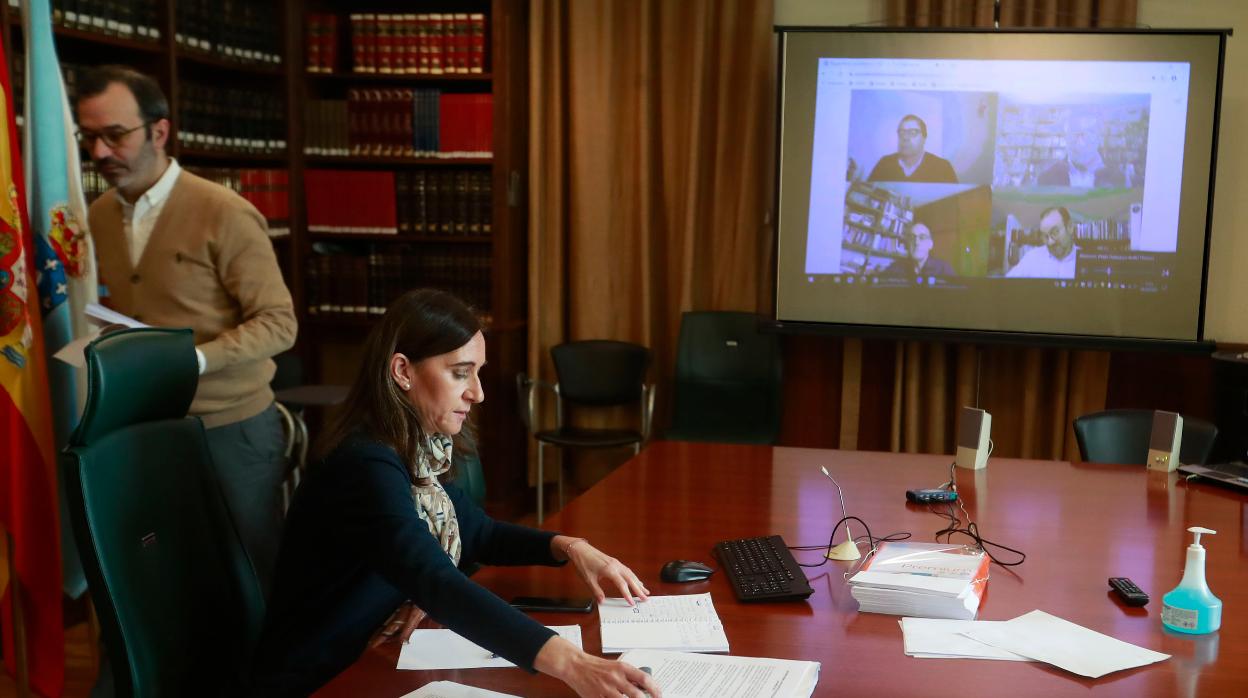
[{"x": 433, "y": 504}]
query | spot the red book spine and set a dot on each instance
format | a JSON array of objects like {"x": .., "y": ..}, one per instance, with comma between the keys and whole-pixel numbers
[
  {"x": 385, "y": 44},
  {"x": 437, "y": 43},
  {"x": 411, "y": 45},
  {"x": 463, "y": 42},
  {"x": 329, "y": 43},
  {"x": 476, "y": 51}
]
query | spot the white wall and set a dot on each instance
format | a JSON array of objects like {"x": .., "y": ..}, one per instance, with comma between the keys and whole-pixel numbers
[
  {"x": 1226, "y": 307},
  {"x": 1226, "y": 304}
]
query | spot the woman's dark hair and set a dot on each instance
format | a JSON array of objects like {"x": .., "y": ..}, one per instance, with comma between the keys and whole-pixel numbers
[
  {"x": 420, "y": 324},
  {"x": 153, "y": 106}
]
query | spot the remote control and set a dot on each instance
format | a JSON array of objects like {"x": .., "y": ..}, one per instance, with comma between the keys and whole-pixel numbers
[{"x": 1126, "y": 589}]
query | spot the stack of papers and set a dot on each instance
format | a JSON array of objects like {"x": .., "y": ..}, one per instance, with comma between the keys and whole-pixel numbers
[
  {"x": 1035, "y": 636},
  {"x": 926, "y": 580},
  {"x": 683, "y": 675},
  {"x": 440, "y": 648},
  {"x": 685, "y": 623}
]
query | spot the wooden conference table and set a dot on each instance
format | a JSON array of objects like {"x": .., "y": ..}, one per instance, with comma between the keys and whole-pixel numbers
[{"x": 1078, "y": 524}]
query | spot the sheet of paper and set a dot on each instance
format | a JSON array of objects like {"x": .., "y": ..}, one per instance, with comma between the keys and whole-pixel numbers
[
  {"x": 685, "y": 675},
  {"x": 1063, "y": 644},
  {"x": 450, "y": 689},
  {"x": 444, "y": 649},
  {"x": 938, "y": 638},
  {"x": 95, "y": 311},
  {"x": 72, "y": 353},
  {"x": 685, "y": 623}
]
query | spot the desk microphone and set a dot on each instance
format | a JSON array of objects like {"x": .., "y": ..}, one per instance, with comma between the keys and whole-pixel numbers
[{"x": 849, "y": 549}]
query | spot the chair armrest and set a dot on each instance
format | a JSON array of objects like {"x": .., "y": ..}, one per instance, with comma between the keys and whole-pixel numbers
[
  {"x": 648, "y": 391},
  {"x": 526, "y": 389}
]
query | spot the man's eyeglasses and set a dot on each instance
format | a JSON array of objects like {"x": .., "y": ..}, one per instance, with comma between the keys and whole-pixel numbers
[
  {"x": 113, "y": 136},
  {"x": 909, "y": 132}
]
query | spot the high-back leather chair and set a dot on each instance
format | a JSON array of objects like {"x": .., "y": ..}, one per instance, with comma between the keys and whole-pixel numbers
[
  {"x": 179, "y": 605},
  {"x": 728, "y": 380},
  {"x": 1121, "y": 436},
  {"x": 591, "y": 373}
]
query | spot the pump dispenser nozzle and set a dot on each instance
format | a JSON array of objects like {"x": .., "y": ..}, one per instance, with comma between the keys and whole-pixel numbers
[{"x": 1198, "y": 530}]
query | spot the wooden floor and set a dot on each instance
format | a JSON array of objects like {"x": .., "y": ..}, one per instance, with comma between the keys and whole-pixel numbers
[{"x": 80, "y": 666}]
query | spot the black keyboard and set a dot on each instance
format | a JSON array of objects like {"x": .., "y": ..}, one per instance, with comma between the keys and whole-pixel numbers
[{"x": 762, "y": 569}]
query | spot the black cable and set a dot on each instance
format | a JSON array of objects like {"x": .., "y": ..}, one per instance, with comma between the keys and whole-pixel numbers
[
  {"x": 972, "y": 529},
  {"x": 870, "y": 539}
]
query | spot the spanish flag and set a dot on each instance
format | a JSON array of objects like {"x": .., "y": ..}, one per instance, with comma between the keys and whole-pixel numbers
[{"x": 28, "y": 506}]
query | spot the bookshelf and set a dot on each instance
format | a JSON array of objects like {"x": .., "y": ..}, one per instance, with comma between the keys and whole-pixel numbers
[
  {"x": 467, "y": 234},
  {"x": 217, "y": 61},
  {"x": 875, "y": 222},
  {"x": 1032, "y": 138}
]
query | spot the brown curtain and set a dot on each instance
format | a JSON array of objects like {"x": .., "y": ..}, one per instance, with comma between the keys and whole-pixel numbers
[
  {"x": 650, "y": 170},
  {"x": 1014, "y": 13},
  {"x": 1032, "y": 394}
]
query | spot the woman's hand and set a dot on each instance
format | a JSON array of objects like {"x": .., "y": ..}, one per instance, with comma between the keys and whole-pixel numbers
[
  {"x": 599, "y": 570},
  {"x": 399, "y": 626},
  {"x": 590, "y": 676}
]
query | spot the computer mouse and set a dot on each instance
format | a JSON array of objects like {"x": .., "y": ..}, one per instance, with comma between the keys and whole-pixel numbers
[{"x": 684, "y": 571}]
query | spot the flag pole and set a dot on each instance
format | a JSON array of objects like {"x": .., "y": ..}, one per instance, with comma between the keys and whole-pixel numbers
[{"x": 19, "y": 622}]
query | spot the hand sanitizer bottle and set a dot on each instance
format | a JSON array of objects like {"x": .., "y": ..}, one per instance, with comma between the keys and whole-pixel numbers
[{"x": 1191, "y": 607}]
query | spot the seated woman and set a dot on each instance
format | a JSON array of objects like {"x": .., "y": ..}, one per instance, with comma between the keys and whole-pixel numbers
[{"x": 373, "y": 541}]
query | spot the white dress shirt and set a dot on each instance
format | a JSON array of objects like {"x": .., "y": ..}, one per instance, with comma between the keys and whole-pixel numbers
[
  {"x": 139, "y": 218},
  {"x": 1039, "y": 263}
]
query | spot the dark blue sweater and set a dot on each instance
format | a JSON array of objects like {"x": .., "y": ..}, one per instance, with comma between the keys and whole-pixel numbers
[{"x": 354, "y": 549}]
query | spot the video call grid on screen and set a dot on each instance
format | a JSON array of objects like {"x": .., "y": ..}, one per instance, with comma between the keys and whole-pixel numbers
[
  {"x": 1053, "y": 183},
  {"x": 895, "y": 88}
]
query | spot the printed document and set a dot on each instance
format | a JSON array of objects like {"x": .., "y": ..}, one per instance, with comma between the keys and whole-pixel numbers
[
  {"x": 940, "y": 638},
  {"x": 444, "y": 649},
  {"x": 686, "y": 623},
  {"x": 1063, "y": 644},
  {"x": 683, "y": 675},
  {"x": 450, "y": 689}
]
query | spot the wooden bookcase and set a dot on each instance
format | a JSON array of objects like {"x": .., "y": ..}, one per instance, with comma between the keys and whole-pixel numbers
[{"x": 330, "y": 345}]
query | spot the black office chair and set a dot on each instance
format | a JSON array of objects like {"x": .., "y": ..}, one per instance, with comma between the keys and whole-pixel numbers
[
  {"x": 179, "y": 604},
  {"x": 728, "y": 380},
  {"x": 591, "y": 373},
  {"x": 1121, "y": 436}
]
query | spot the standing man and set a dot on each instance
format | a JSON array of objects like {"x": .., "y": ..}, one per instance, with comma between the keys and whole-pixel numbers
[
  {"x": 912, "y": 162},
  {"x": 176, "y": 250},
  {"x": 1056, "y": 260}
]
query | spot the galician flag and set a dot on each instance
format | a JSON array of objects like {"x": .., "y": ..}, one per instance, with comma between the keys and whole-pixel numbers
[{"x": 63, "y": 257}]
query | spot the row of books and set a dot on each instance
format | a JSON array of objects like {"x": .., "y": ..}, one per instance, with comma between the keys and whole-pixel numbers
[
  {"x": 444, "y": 202},
  {"x": 238, "y": 30},
  {"x": 129, "y": 19},
  {"x": 402, "y": 123},
  {"x": 340, "y": 283},
  {"x": 267, "y": 189},
  {"x": 413, "y": 44},
  {"x": 231, "y": 119},
  {"x": 423, "y": 202}
]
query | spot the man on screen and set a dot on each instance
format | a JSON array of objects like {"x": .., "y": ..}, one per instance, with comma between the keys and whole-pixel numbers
[
  {"x": 1083, "y": 167},
  {"x": 919, "y": 261},
  {"x": 1056, "y": 260},
  {"x": 911, "y": 162}
]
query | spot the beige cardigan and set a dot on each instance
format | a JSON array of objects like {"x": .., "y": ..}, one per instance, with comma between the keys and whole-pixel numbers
[{"x": 209, "y": 266}]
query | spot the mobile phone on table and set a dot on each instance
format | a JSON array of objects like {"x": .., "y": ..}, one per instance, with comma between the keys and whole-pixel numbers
[{"x": 559, "y": 604}]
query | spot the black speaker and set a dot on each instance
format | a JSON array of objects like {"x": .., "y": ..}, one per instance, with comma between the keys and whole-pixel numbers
[{"x": 1230, "y": 379}]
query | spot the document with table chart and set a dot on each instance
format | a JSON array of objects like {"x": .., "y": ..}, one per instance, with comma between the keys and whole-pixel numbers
[
  {"x": 685, "y": 623},
  {"x": 683, "y": 675}
]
